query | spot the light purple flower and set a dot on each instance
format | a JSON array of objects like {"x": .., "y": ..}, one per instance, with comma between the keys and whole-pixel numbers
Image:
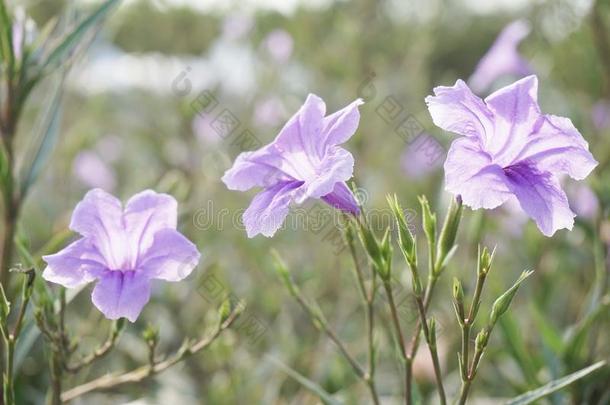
[
  {"x": 93, "y": 172},
  {"x": 585, "y": 204},
  {"x": 123, "y": 250},
  {"x": 416, "y": 160},
  {"x": 503, "y": 58},
  {"x": 279, "y": 44},
  {"x": 304, "y": 161},
  {"x": 601, "y": 115},
  {"x": 508, "y": 147},
  {"x": 269, "y": 112}
]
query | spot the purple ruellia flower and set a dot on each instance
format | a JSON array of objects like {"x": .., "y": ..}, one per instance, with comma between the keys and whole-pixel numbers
[
  {"x": 509, "y": 148},
  {"x": 304, "y": 161},
  {"x": 502, "y": 58},
  {"x": 123, "y": 250}
]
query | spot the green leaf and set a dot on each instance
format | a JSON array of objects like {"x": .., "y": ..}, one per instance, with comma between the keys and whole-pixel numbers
[
  {"x": 6, "y": 35},
  {"x": 306, "y": 382},
  {"x": 70, "y": 41},
  {"x": 45, "y": 133},
  {"x": 555, "y": 385},
  {"x": 517, "y": 348}
]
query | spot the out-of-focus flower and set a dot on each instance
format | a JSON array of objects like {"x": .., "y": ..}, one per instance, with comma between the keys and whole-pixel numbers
[
  {"x": 304, "y": 161},
  {"x": 110, "y": 147},
  {"x": 23, "y": 31},
  {"x": 237, "y": 26},
  {"x": 123, "y": 250},
  {"x": 93, "y": 172},
  {"x": 508, "y": 147},
  {"x": 269, "y": 112},
  {"x": 203, "y": 130},
  {"x": 279, "y": 44},
  {"x": 503, "y": 58},
  {"x": 415, "y": 161},
  {"x": 584, "y": 201},
  {"x": 601, "y": 115}
]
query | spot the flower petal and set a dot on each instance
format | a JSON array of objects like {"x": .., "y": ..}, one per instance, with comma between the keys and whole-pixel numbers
[
  {"x": 172, "y": 257},
  {"x": 145, "y": 214},
  {"x": 469, "y": 172},
  {"x": 337, "y": 166},
  {"x": 557, "y": 147},
  {"x": 456, "y": 109},
  {"x": 121, "y": 294},
  {"x": 78, "y": 263},
  {"x": 303, "y": 131},
  {"x": 269, "y": 208},
  {"x": 540, "y": 197},
  {"x": 342, "y": 198},
  {"x": 262, "y": 168},
  {"x": 341, "y": 125},
  {"x": 99, "y": 217},
  {"x": 517, "y": 114}
]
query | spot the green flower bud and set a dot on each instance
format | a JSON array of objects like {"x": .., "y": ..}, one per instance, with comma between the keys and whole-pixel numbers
[
  {"x": 485, "y": 260},
  {"x": 406, "y": 239},
  {"x": 151, "y": 335},
  {"x": 501, "y": 305},
  {"x": 428, "y": 221},
  {"x": 284, "y": 274},
  {"x": 446, "y": 242},
  {"x": 481, "y": 340},
  {"x": 458, "y": 300}
]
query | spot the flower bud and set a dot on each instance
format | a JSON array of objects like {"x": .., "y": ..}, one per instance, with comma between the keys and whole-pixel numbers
[
  {"x": 151, "y": 335},
  {"x": 446, "y": 241},
  {"x": 284, "y": 274},
  {"x": 429, "y": 220},
  {"x": 485, "y": 259},
  {"x": 501, "y": 305},
  {"x": 481, "y": 340},
  {"x": 406, "y": 240},
  {"x": 458, "y": 300},
  {"x": 432, "y": 331}
]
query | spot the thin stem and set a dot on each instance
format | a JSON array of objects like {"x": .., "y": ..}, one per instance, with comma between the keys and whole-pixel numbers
[
  {"x": 98, "y": 353},
  {"x": 368, "y": 298},
  {"x": 433, "y": 351},
  {"x": 143, "y": 372},
  {"x": 401, "y": 340},
  {"x": 319, "y": 322}
]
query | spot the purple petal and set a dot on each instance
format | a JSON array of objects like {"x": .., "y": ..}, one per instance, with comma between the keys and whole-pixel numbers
[
  {"x": 269, "y": 208},
  {"x": 337, "y": 166},
  {"x": 341, "y": 125},
  {"x": 503, "y": 57},
  {"x": 172, "y": 257},
  {"x": 78, "y": 263},
  {"x": 99, "y": 217},
  {"x": 261, "y": 168},
  {"x": 342, "y": 198},
  {"x": 558, "y": 147},
  {"x": 540, "y": 197},
  {"x": 303, "y": 132},
  {"x": 516, "y": 113},
  {"x": 456, "y": 109},
  {"x": 147, "y": 213},
  {"x": 470, "y": 172},
  {"x": 121, "y": 294}
]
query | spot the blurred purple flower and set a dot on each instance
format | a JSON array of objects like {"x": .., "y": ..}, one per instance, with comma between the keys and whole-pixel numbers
[
  {"x": 304, "y": 161},
  {"x": 508, "y": 147},
  {"x": 111, "y": 147},
  {"x": 415, "y": 162},
  {"x": 203, "y": 130},
  {"x": 503, "y": 58},
  {"x": 585, "y": 202},
  {"x": 236, "y": 26},
  {"x": 123, "y": 250},
  {"x": 93, "y": 172},
  {"x": 601, "y": 115},
  {"x": 269, "y": 112},
  {"x": 279, "y": 44}
]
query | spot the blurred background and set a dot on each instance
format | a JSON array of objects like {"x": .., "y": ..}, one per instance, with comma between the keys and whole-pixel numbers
[{"x": 171, "y": 91}]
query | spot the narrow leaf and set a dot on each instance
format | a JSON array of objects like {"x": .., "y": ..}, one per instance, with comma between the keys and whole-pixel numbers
[
  {"x": 555, "y": 385},
  {"x": 305, "y": 382}
]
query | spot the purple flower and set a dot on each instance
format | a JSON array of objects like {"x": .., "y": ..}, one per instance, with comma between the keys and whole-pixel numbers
[
  {"x": 601, "y": 115},
  {"x": 304, "y": 161},
  {"x": 92, "y": 171},
  {"x": 502, "y": 58},
  {"x": 123, "y": 250},
  {"x": 279, "y": 44},
  {"x": 509, "y": 148},
  {"x": 416, "y": 161}
]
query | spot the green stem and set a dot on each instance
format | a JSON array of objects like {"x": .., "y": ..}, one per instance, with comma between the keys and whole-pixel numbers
[
  {"x": 433, "y": 351},
  {"x": 400, "y": 338}
]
